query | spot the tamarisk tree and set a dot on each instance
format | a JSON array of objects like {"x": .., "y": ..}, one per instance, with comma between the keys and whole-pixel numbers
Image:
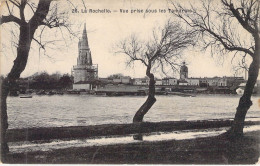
[
  {"x": 162, "y": 51},
  {"x": 229, "y": 26},
  {"x": 28, "y": 16}
]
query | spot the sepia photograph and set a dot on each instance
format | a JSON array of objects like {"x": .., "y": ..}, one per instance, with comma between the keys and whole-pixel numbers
[{"x": 130, "y": 81}]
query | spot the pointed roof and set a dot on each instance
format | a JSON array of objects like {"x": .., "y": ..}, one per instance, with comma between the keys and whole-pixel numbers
[
  {"x": 84, "y": 36},
  {"x": 84, "y": 30},
  {"x": 90, "y": 59}
]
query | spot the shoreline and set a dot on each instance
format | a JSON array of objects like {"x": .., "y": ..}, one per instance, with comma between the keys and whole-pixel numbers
[
  {"x": 203, "y": 150},
  {"x": 73, "y": 132},
  {"x": 208, "y": 150}
]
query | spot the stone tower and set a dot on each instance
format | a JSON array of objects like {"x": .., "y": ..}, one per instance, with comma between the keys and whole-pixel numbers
[
  {"x": 84, "y": 57},
  {"x": 183, "y": 71},
  {"x": 84, "y": 72}
]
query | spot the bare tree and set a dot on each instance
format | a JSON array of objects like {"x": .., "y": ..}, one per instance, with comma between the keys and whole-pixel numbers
[
  {"x": 229, "y": 26},
  {"x": 44, "y": 14},
  {"x": 162, "y": 51}
]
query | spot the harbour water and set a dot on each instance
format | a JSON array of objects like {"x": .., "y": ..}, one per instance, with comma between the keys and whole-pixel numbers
[{"x": 84, "y": 110}]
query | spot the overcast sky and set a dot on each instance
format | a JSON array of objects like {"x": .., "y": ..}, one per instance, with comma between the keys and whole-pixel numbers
[{"x": 104, "y": 31}]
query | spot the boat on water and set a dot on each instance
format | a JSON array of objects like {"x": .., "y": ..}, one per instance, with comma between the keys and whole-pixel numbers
[
  {"x": 181, "y": 94},
  {"x": 29, "y": 96}
]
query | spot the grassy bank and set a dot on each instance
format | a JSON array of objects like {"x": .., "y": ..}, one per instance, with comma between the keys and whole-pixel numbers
[
  {"x": 29, "y": 134},
  {"x": 211, "y": 150}
]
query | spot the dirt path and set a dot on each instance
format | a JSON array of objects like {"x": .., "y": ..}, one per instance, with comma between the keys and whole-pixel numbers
[{"x": 210, "y": 150}]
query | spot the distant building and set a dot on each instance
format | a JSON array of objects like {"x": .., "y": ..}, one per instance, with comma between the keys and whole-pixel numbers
[
  {"x": 234, "y": 81},
  {"x": 183, "y": 71},
  {"x": 204, "y": 82},
  {"x": 169, "y": 81},
  {"x": 165, "y": 81},
  {"x": 123, "y": 80},
  {"x": 105, "y": 80},
  {"x": 173, "y": 81},
  {"x": 213, "y": 81},
  {"x": 141, "y": 81},
  {"x": 117, "y": 80},
  {"x": 193, "y": 81},
  {"x": 183, "y": 82},
  {"x": 158, "y": 81},
  {"x": 84, "y": 72},
  {"x": 126, "y": 80},
  {"x": 222, "y": 81},
  {"x": 184, "y": 76}
]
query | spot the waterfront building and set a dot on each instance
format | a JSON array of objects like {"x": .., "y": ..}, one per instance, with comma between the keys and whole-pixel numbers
[
  {"x": 183, "y": 71},
  {"x": 173, "y": 81},
  {"x": 234, "y": 81},
  {"x": 165, "y": 81},
  {"x": 222, "y": 81},
  {"x": 105, "y": 81},
  {"x": 193, "y": 81},
  {"x": 214, "y": 81},
  {"x": 137, "y": 81},
  {"x": 183, "y": 75},
  {"x": 126, "y": 80},
  {"x": 204, "y": 82},
  {"x": 123, "y": 80},
  {"x": 183, "y": 82},
  {"x": 158, "y": 81},
  {"x": 230, "y": 81},
  {"x": 141, "y": 81},
  {"x": 169, "y": 81},
  {"x": 85, "y": 72}
]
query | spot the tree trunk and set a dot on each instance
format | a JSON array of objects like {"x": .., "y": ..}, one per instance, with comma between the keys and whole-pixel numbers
[
  {"x": 27, "y": 31},
  {"x": 26, "y": 35},
  {"x": 4, "y": 120},
  {"x": 149, "y": 101},
  {"x": 245, "y": 102}
]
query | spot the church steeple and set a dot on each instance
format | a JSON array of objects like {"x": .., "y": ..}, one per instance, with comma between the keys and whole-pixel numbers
[
  {"x": 84, "y": 42},
  {"x": 84, "y": 71},
  {"x": 84, "y": 30},
  {"x": 84, "y": 51}
]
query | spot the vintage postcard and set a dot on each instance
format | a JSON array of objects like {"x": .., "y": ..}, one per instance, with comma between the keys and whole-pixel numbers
[{"x": 130, "y": 81}]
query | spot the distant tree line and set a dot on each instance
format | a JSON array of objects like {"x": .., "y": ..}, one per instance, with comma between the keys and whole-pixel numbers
[
  {"x": 45, "y": 81},
  {"x": 119, "y": 75}
]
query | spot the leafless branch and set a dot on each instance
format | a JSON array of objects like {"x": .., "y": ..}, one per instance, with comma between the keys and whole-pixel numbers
[
  {"x": 218, "y": 27},
  {"x": 41, "y": 45},
  {"x": 10, "y": 18},
  {"x": 161, "y": 51},
  {"x": 8, "y": 8},
  {"x": 15, "y": 3}
]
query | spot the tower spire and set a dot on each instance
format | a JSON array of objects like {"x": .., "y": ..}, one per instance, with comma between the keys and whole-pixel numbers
[
  {"x": 84, "y": 30},
  {"x": 84, "y": 70},
  {"x": 84, "y": 42},
  {"x": 84, "y": 51}
]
